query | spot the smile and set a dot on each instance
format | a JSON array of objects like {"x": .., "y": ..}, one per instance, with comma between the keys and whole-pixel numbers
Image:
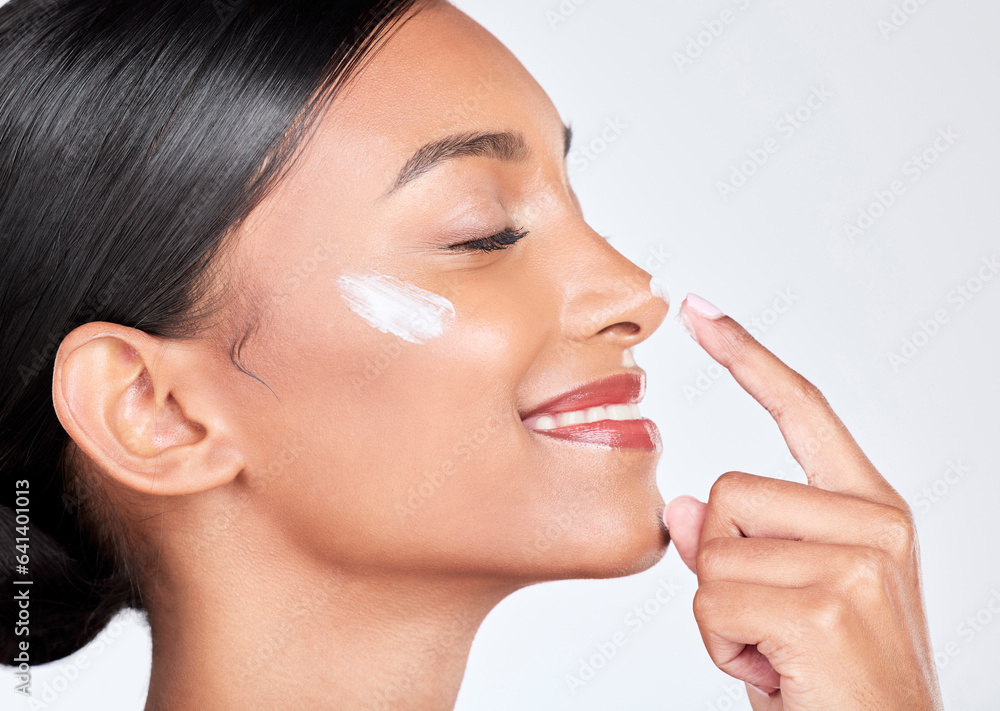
[
  {"x": 619, "y": 413},
  {"x": 604, "y": 412}
]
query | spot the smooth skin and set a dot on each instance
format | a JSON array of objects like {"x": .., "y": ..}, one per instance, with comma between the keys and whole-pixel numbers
[{"x": 331, "y": 532}]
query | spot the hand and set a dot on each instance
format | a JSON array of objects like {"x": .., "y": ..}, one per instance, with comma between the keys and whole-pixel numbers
[{"x": 811, "y": 592}]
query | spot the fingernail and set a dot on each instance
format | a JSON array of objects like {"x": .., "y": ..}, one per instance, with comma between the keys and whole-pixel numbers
[
  {"x": 702, "y": 307},
  {"x": 760, "y": 690}
]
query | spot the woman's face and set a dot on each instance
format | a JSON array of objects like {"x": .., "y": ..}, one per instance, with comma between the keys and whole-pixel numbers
[{"x": 389, "y": 436}]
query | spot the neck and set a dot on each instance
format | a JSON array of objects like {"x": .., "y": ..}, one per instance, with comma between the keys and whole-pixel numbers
[{"x": 359, "y": 641}]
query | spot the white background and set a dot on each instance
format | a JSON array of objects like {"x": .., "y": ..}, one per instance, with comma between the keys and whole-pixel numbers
[{"x": 854, "y": 301}]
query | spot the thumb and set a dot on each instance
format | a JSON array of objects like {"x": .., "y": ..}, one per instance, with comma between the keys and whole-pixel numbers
[{"x": 684, "y": 518}]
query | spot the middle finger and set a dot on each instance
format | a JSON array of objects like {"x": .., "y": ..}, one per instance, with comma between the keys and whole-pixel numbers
[
  {"x": 792, "y": 564},
  {"x": 759, "y": 507}
]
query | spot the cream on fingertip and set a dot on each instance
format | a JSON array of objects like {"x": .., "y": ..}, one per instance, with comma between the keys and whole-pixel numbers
[{"x": 685, "y": 324}]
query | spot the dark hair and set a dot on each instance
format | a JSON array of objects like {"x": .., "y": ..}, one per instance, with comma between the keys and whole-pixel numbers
[{"x": 134, "y": 137}]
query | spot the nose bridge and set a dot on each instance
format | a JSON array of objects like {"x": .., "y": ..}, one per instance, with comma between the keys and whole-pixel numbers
[{"x": 608, "y": 297}]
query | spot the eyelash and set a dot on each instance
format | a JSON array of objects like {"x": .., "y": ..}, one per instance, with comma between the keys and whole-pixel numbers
[{"x": 501, "y": 240}]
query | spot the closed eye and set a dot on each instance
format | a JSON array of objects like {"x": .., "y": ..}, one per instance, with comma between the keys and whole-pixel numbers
[{"x": 501, "y": 240}]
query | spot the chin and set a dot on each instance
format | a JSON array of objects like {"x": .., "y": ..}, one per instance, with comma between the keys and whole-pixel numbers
[
  {"x": 644, "y": 550},
  {"x": 622, "y": 550}
]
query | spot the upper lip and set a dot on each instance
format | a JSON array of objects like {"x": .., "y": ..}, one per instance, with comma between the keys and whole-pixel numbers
[{"x": 621, "y": 388}]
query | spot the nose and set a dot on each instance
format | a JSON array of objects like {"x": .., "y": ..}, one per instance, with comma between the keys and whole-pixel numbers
[{"x": 610, "y": 299}]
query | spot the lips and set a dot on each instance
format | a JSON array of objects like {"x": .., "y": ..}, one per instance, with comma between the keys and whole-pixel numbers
[
  {"x": 604, "y": 411},
  {"x": 621, "y": 388}
]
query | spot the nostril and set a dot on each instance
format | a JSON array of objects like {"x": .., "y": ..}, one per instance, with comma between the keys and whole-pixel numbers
[{"x": 623, "y": 328}]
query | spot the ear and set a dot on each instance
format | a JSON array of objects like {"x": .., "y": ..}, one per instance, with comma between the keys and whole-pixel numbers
[{"x": 145, "y": 409}]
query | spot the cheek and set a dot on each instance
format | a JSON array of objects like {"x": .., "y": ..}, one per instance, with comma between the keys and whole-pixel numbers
[
  {"x": 436, "y": 412},
  {"x": 398, "y": 435},
  {"x": 413, "y": 453}
]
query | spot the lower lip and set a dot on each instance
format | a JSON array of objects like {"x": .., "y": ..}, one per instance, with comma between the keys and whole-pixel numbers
[{"x": 618, "y": 434}]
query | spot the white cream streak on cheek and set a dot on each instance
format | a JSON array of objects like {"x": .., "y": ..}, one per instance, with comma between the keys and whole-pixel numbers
[{"x": 395, "y": 306}]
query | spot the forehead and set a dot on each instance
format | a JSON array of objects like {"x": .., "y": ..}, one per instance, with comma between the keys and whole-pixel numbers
[{"x": 440, "y": 74}]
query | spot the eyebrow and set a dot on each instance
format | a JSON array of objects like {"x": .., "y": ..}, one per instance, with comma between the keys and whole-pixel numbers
[{"x": 507, "y": 146}]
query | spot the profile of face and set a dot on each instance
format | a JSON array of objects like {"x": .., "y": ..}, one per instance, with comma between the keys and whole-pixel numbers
[
  {"x": 382, "y": 429},
  {"x": 404, "y": 428}
]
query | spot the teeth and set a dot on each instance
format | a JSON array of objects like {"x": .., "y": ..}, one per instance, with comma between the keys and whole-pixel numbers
[
  {"x": 619, "y": 412},
  {"x": 577, "y": 417},
  {"x": 545, "y": 422}
]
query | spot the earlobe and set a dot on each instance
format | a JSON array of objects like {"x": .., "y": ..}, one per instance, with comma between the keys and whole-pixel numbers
[{"x": 121, "y": 395}]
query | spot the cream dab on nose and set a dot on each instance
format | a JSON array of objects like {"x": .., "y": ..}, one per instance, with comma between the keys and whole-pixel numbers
[
  {"x": 658, "y": 288},
  {"x": 394, "y": 306}
]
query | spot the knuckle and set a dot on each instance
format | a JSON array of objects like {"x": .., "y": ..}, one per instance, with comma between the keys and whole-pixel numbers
[
  {"x": 803, "y": 395},
  {"x": 778, "y": 409},
  {"x": 809, "y": 394},
  {"x": 706, "y": 603},
  {"x": 901, "y": 504},
  {"x": 729, "y": 484},
  {"x": 736, "y": 344},
  {"x": 897, "y": 531},
  {"x": 866, "y": 570},
  {"x": 711, "y": 557},
  {"x": 828, "y": 614}
]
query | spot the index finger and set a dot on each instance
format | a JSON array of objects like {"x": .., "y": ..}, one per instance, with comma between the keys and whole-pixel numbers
[{"x": 816, "y": 437}]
